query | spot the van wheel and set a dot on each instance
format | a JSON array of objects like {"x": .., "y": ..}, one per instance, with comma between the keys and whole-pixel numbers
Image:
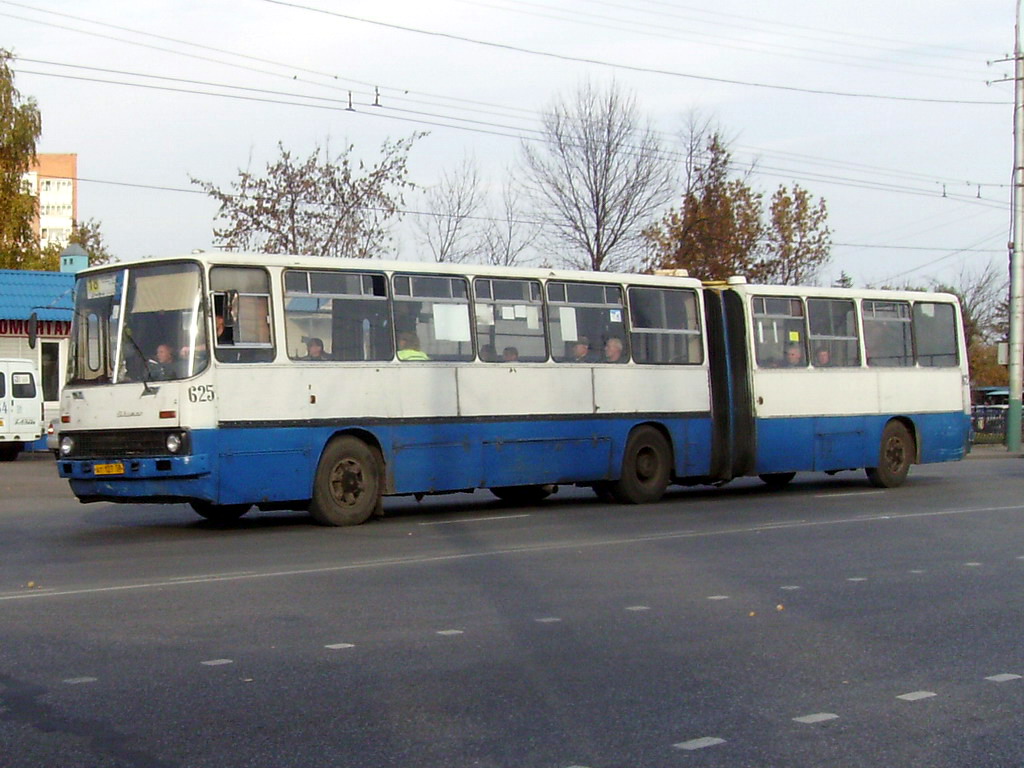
[
  {"x": 646, "y": 468},
  {"x": 219, "y": 513},
  {"x": 777, "y": 480},
  {"x": 9, "y": 451},
  {"x": 347, "y": 488},
  {"x": 895, "y": 455},
  {"x": 523, "y": 494}
]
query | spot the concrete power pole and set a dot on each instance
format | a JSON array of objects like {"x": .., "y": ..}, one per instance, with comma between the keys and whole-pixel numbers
[{"x": 1013, "y": 416}]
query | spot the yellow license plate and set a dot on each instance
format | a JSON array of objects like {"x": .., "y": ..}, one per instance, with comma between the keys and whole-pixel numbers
[{"x": 109, "y": 469}]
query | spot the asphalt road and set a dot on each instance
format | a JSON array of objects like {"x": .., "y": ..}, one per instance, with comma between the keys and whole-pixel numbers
[{"x": 829, "y": 624}]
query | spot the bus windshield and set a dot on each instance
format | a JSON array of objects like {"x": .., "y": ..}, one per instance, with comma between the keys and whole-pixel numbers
[{"x": 145, "y": 323}]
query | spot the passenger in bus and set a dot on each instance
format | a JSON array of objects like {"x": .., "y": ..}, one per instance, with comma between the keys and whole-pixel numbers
[
  {"x": 795, "y": 356},
  {"x": 581, "y": 351},
  {"x": 225, "y": 335},
  {"x": 164, "y": 365},
  {"x": 510, "y": 354},
  {"x": 488, "y": 353},
  {"x": 315, "y": 349},
  {"x": 409, "y": 347},
  {"x": 822, "y": 358},
  {"x": 613, "y": 350}
]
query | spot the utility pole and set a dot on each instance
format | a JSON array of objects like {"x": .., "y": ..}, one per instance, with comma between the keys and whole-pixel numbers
[{"x": 1013, "y": 416}]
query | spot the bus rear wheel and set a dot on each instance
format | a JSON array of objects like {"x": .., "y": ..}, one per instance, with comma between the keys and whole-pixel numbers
[
  {"x": 523, "y": 494},
  {"x": 219, "y": 513},
  {"x": 347, "y": 488},
  {"x": 646, "y": 468},
  {"x": 9, "y": 451},
  {"x": 895, "y": 455},
  {"x": 777, "y": 480}
]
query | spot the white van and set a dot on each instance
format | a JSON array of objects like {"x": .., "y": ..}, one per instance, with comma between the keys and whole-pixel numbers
[{"x": 21, "y": 406}]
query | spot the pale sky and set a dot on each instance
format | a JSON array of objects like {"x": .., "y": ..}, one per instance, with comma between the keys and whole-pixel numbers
[{"x": 882, "y": 108}]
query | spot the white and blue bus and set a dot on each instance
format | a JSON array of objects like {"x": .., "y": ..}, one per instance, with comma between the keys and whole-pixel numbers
[{"x": 233, "y": 380}]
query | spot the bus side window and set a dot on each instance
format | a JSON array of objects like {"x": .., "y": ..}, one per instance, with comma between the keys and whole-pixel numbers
[
  {"x": 347, "y": 311},
  {"x": 888, "y": 338},
  {"x": 780, "y": 334},
  {"x": 584, "y": 316},
  {"x": 432, "y": 318},
  {"x": 665, "y": 326},
  {"x": 833, "y": 333},
  {"x": 241, "y": 299},
  {"x": 509, "y": 321},
  {"x": 935, "y": 333}
]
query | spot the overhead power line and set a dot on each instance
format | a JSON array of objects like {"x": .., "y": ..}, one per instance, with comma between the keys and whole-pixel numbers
[{"x": 629, "y": 67}]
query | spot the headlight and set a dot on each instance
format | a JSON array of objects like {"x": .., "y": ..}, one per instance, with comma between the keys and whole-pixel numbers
[
  {"x": 173, "y": 442},
  {"x": 67, "y": 445}
]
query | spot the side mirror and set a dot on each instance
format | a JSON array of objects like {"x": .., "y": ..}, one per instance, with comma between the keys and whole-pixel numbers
[{"x": 33, "y": 330}]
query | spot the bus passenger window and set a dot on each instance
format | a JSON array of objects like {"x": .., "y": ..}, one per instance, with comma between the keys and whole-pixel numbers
[
  {"x": 833, "y": 333},
  {"x": 432, "y": 318},
  {"x": 780, "y": 335},
  {"x": 241, "y": 299},
  {"x": 584, "y": 318},
  {"x": 888, "y": 338},
  {"x": 509, "y": 321},
  {"x": 665, "y": 326},
  {"x": 346, "y": 311},
  {"x": 935, "y": 332}
]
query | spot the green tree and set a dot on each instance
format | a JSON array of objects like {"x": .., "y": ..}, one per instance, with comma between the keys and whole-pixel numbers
[
  {"x": 323, "y": 205},
  {"x": 89, "y": 235},
  {"x": 20, "y": 128}
]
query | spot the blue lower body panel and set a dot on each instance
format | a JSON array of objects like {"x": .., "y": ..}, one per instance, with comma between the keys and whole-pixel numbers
[
  {"x": 826, "y": 443},
  {"x": 257, "y": 464}
]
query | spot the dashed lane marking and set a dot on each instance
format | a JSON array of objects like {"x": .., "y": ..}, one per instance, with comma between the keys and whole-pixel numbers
[
  {"x": 917, "y": 570},
  {"x": 857, "y": 578},
  {"x": 216, "y": 662},
  {"x": 339, "y": 646},
  {"x": 638, "y": 607},
  {"x": 849, "y": 493},
  {"x": 474, "y": 519},
  {"x": 548, "y": 620},
  {"x": 450, "y": 632},
  {"x": 817, "y": 717},
  {"x": 972, "y": 565},
  {"x": 701, "y": 743},
  {"x": 718, "y": 597},
  {"x": 80, "y": 680},
  {"x": 1005, "y": 677},
  {"x": 916, "y": 695},
  {"x": 790, "y": 587}
]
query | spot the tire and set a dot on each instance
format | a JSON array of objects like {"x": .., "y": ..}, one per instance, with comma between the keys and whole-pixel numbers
[
  {"x": 348, "y": 484},
  {"x": 646, "y": 468},
  {"x": 777, "y": 480},
  {"x": 523, "y": 494},
  {"x": 895, "y": 455},
  {"x": 9, "y": 451},
  {"x": 219, "y": 513}
]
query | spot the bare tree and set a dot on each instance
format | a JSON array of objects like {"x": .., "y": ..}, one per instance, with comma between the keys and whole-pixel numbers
[
  {"x": 447, "y": 226},
  {"x": 323, "y": 205},
  {"x": 506, "y": 240},
  {"x": 598, "y": 177},
  {"x": 798, "y": 240}
]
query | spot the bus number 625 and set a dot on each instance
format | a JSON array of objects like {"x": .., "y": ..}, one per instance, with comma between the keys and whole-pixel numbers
[{"x": 201, "y": 393}]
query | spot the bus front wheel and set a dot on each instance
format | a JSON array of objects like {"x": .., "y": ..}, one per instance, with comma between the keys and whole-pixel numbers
[
  {"x": 646, "y": 468},
  {"x": 219, "y": 513},
  {"x": 347, "y": 487},
  {"x": 895, "y": 455}
]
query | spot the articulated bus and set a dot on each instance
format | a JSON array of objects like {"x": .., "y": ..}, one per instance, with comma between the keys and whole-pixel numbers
[{"x": 233, "y": 380}]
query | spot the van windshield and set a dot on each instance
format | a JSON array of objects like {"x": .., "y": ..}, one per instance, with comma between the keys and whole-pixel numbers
[{"x": 144, "y": 324}]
